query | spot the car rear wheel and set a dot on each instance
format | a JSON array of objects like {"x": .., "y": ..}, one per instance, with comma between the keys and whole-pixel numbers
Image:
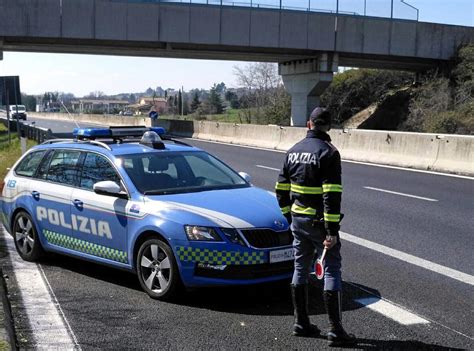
[
  {"x": 26, "y": 237},
  {"x": 157, "y": 270}
]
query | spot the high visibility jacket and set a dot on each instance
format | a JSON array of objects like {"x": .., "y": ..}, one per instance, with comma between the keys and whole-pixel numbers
[{"x": 309, "y": 183}]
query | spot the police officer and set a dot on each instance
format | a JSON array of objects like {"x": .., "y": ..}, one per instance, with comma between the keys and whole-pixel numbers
[{"x": 309, "y": 192}]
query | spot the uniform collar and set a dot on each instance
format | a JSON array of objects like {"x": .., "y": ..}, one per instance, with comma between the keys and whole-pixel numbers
[{"x": 318, "y": 134}]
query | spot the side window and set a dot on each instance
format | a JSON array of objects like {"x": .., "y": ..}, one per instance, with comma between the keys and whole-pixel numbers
[
  {"x": 27, "y": 167},
  {"x": 63, "y": 167},
  {"x": 43, "y": 167},
  {"x": 97, "y": 169}
]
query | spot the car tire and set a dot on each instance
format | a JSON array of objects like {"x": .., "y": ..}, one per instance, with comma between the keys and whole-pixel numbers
[
  {"x": 157, "y": 270},
  {"x": 26, "y": 237}
]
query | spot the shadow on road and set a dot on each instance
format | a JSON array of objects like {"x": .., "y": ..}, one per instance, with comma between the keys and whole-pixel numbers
[
  {"x": 270, "y": 299},
  {"x": 371, "y": 344}
]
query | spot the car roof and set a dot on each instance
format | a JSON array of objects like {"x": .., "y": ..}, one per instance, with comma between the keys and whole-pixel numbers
[{"x": 126, "y": 148}]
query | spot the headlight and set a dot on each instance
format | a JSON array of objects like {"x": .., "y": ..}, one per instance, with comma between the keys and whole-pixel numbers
[
  {"x": 233, "y": 236},
  {"x": 201, "y": 233}
]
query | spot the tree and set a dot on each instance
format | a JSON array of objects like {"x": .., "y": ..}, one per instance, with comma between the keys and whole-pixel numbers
[
  {"x": 180, "y": 102},
  {"x": 95, "y": 95},
  {"x": 196, "y": 102},
  {"x": 232, "y": 98},
  {"x": 221, "y": 88},
  {"x": 265, "y": 99},
  {"x": 214, "y": 102},
  {"x": 149, "y": 92},
  {"x": 171, "y": 103},
  {"x": 29, "y": 101}
]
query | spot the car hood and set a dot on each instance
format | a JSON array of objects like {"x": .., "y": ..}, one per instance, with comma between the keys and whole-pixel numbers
[{"x": 233, "y": 208}]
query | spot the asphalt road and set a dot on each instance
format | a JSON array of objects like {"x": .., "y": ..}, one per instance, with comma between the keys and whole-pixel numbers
[{"x": 427, "y": 216}]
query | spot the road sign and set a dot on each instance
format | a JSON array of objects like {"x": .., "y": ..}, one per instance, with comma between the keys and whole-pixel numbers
[
  {"x": 10, "y": 90},
  {"x": 153, "y": 115}
]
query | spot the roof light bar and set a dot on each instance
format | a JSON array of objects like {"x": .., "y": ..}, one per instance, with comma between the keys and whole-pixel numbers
[{"x": 115, "y": 132}]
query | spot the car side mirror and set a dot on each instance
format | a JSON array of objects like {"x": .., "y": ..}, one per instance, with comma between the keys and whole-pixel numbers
[
  {"x": 108, "y": 187},
  {"x": 246, "y": 177}
]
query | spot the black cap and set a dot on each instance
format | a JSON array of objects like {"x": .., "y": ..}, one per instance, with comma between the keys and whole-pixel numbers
[{"x": 320, "y": 117}]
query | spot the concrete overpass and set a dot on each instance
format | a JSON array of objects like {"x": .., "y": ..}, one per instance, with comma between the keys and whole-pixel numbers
[{"x": 309, "y": 46}]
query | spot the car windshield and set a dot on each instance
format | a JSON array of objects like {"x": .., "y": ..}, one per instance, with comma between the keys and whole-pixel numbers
[
  {"x": 20, "y": 108},
  {"x": 179, "y": 172}
]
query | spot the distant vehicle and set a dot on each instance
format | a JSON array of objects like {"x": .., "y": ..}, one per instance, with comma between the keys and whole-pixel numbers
[
  {"x": 52, "y": 109},
  {"x": 128, "y": 113},
  {"x": 18, "y": 111}
]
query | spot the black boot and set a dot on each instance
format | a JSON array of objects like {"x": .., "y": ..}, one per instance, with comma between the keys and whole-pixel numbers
[
  {"x": 302, "y": 326},
  {"x": 337, "y": 336}
]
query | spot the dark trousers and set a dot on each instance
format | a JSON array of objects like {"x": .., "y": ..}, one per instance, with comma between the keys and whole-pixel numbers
[{"x": 307, "y": 239}]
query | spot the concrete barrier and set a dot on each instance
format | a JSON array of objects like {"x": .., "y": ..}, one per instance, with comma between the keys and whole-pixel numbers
[
  {"x": 107, "y": 120},
  {"x": 437, "y": 152}
]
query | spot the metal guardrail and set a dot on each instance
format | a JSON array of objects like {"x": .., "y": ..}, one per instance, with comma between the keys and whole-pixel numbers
[
  {"x": 29, "y": 131},
  {"x": 372, "y": 8}
]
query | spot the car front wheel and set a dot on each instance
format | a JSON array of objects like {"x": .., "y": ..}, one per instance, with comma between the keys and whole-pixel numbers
[
  {"x": 26, "y": 237},
  {"x": 157, "y": 270}
]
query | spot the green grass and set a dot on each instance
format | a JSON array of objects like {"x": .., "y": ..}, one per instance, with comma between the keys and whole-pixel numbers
[{"x": 9, "y": 153}]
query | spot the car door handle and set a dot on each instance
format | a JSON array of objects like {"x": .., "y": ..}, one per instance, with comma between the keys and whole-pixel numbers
[
  {"x": 78, "y": 204},
  {"x": 36, "y": 195}
]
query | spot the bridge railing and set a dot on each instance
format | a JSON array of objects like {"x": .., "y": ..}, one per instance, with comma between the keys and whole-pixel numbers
[{"x": 401, "y": 9}]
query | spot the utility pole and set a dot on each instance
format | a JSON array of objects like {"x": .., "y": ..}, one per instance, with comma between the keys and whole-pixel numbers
[
  {"x": 7, "y": 105},
  {"x": 182, "y": 101},
  {"x": 16, "y": 110}
]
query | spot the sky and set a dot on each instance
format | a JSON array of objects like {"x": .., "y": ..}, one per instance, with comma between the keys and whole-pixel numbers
[{"x": 82, "y": 74}]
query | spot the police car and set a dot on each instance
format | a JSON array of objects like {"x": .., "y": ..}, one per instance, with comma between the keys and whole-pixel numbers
[{"x": 126, "y": 197}]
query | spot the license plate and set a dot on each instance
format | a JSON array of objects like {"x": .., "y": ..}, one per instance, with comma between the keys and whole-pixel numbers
[{"x": 282, "y": 255}]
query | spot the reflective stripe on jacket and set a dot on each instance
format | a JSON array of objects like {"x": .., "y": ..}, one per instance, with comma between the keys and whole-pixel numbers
[{"x": 310, "y": 181}]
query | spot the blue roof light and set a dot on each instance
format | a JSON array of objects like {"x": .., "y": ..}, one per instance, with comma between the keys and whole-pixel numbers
[
  {"x": 92, "y": 132},
  {"x": 115, "y": 132},
  {"x": 158, "y": 130}
]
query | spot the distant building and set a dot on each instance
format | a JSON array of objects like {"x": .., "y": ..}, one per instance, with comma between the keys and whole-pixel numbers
[
  {"x": 98, "y": 106},
  {"x": 146, "y": 104}
]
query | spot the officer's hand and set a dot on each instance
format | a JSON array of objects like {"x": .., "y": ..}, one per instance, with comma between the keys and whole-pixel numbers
[{"x": 330, "y": 242}]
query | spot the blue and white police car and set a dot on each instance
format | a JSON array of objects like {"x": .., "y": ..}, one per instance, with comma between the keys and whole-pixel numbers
[{"x": 126, "y": 197}]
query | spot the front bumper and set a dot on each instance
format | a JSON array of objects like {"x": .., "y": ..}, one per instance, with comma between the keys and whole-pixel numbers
[
  {"x": 20, "y": 116},
  {"x": 213, "y": 264}
]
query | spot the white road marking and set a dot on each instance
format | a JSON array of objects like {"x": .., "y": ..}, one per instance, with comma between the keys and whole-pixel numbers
[
  {"x": 416, "y": 261},
  {"x": 410, "y": 169},
  {"x": 344, "y": 160},
  {"x": 392, "y": 311},
  {"x": 265, "y": 167},
  {"x": 50, "y": 328},
  {"x": 401, "y": 194}
]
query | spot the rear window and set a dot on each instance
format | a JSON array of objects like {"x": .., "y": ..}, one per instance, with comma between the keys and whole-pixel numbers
[
  {"x": 28, "y": 166},
  {"x": 64, "y": 167}
]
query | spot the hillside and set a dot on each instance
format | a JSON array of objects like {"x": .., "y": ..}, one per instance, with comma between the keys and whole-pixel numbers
[{"x": 441, "y": 101}]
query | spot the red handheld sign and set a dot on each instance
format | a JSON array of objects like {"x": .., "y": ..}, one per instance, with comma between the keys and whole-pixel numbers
[{"x": 319, "y": 267}]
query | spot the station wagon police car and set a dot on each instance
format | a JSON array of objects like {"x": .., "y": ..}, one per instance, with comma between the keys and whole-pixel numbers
[{"x": 126, "y": 197}]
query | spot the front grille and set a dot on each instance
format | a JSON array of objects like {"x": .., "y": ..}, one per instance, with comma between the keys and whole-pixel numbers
[
  {"x": 265, "y": 238},
  {"x": 252, "y": 271}
]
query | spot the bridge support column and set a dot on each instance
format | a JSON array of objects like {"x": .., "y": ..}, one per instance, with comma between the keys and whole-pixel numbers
[{"x": 306, "y": 80}]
